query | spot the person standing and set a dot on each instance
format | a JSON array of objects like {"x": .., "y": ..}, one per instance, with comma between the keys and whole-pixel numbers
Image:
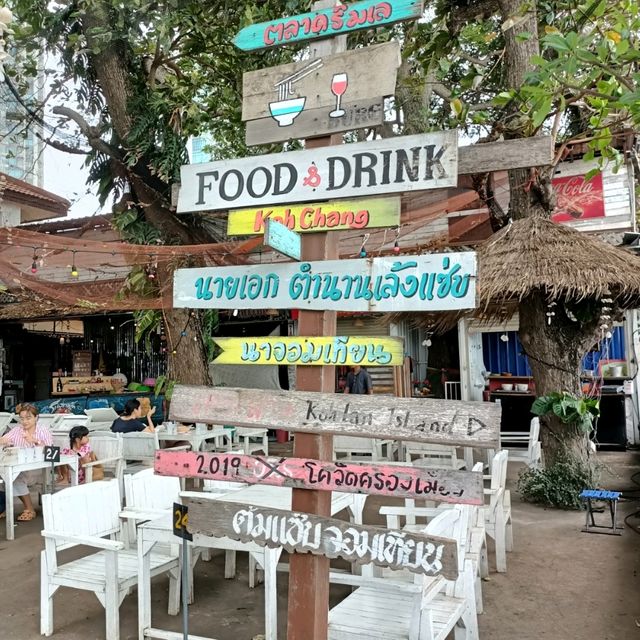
[{"x": 359, "y": 381}]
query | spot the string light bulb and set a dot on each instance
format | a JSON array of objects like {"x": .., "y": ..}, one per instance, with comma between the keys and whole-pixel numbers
[
  {"x": 74, "y": 271},
  {"x": 34, "y": 263},
  {"x": 396, "y": 245}
]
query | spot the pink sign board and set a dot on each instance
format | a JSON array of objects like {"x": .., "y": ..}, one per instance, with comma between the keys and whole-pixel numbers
[{"x": 440, "y": 485}]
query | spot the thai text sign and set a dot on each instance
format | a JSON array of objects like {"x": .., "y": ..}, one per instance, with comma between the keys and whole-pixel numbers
[
  {"x": 325, "y": 23},
  {"x": 391, "y": 165},
  {"x": 439, "y": 485},
  {"x": 577, "y": 199},
  {"x": 319, "y": 96},
  {"x": 414, "y": 419},
  {"x": 279, "y": 237},
  {"x": 318, "y": 217},
  {"x": 306, "y": 533},
  {"x": 435, "y": 282},
  {"x": 300, "y": 350}
]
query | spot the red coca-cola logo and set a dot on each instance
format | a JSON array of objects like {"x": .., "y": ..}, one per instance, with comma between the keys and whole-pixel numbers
[{"x": 578, "y": 199}]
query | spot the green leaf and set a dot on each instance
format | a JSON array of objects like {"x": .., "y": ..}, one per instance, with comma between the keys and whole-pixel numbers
[{"x": 540, "y": 114}]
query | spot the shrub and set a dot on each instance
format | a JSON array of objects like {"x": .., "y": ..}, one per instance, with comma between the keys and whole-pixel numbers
[{"x": 560, "y": 484}]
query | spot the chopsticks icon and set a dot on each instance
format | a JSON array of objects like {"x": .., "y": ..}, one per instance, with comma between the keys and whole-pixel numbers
[{"x": 284, "y": 86}]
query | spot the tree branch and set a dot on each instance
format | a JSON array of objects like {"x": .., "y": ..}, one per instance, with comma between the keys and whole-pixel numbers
[{"x": 92, "y": 134}]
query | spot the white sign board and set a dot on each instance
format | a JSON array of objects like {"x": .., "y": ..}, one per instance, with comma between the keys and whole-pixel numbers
[
  {"x": 435, "y": 282},
  {"x": 392, "y": 165}
]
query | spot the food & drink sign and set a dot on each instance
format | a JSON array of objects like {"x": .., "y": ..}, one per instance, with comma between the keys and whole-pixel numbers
[
  {"x": 392, "y": 165},
  {"x": 435, "y": 282}
]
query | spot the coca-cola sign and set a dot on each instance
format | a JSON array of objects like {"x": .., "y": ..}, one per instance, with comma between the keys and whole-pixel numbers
[{"x": 578, "y": 199}]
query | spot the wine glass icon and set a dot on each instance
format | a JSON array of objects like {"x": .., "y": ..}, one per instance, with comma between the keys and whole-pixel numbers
[{"x": 338, "y": 87}]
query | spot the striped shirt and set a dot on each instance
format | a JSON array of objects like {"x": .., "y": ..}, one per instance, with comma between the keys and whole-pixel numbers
[{"x": 17, "y": 439}]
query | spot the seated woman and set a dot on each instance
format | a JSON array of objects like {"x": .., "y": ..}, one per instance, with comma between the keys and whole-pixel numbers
[
  {"x": 130, "y": 421},
  {"x": 28, "y": 434}
]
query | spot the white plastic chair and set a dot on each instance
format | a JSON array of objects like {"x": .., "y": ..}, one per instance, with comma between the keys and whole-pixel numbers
[
  {"x": 532, "y": 455},
  {"x": 497, "y": 510},
  {"x": 84, "y": 516},
  {"x": 428, "y": 609},
  {"x": 362, "y": 449},
  {"x": 437, "y": 456},
  {"x": 6, "y": 418},
  {"x": 101, "y": 419},
  {"x": 67, "y": 421},
  {"x": 245, "y": 439}
]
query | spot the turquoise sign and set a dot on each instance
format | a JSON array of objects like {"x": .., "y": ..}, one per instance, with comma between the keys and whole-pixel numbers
[
  {"x": 326, "y": 23},
  {"x": 282, "y": 239}
]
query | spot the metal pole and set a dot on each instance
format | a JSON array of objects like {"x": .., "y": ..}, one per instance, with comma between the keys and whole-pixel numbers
[{"x": 185, "y": 590}]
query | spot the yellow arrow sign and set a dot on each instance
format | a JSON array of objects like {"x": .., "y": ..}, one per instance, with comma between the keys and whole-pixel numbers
[{"x": 338, "y": 350}]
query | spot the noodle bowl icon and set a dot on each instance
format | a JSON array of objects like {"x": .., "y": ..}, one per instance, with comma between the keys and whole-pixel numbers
[
  {"x": 287, "y": 108},
  {"x": 284, "y": 112}
]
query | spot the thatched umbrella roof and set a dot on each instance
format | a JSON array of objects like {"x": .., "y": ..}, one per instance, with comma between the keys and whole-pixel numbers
[{"x": 537, "y": 255}]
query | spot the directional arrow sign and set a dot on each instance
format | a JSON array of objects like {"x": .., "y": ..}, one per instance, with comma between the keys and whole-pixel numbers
[
  {"x": 279, "y": 237},
  {"x": 339, "y": 350}
]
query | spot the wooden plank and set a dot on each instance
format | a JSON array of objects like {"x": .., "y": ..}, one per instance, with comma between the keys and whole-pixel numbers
[
  {"x": 390, "y": 165},
  {"x": 370, "y": 71},
  {"x": 318, "y": 217},
  {"x": 314, "y": 122},
  {"x": 433, "y": 282},
  {"x": 506, "y": 154},
  {"x": 279, "y": 237},
  {"x": 325, "y": 23},
  {"x": 309, "y": 351},
  {"x": 439, "y": 485},
  {"x": 473, "y": 424},
  {"x": 322, "y": 536}
]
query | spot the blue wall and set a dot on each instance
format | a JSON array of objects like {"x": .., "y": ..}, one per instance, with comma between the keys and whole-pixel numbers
[{"x": 505, "y": 357}]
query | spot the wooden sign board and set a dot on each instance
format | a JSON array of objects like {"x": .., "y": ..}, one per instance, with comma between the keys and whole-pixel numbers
[
  {"x": 433, "y": 282},
  {"x": 303, "y": 351},
  {"x": 279, "y": 237},
  {"x": 336, "y": 93},
  {"x": 311, "y": 123},
  {"x": 439, "y": 485},
  {"x": 318, "y": 217},
  {"x": 326, "y": 23},
  {"x": 306, "y": 533},
  {"x": 390, "y": 165},
  {"x": 453, "y": 422}
]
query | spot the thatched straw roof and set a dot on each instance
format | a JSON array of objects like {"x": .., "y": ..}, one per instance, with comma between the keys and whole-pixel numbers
[{"x": 535, "y": 254}]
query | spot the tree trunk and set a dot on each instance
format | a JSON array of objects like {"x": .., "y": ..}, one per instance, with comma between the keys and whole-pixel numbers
[
  {"x": 555, "y": 350},
  {"x": 187, "y": 362}
]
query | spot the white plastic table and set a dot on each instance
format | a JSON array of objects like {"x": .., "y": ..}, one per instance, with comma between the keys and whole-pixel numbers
[
  {"x": 9, "y": 472},
  {"x": 194, "y": 437},
  {"x": 160, "y": 531}
]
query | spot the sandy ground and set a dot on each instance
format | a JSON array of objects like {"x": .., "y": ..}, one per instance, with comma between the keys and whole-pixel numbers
[{"x": 561, "y": 584}]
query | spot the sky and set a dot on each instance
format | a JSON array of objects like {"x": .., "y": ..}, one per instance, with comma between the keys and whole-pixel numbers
[{"x": 65, "y": 176}]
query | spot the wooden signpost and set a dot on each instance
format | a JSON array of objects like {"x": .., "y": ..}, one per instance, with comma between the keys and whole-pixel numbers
[
  {"x": 467, "y": 424},
  {"x": 302, "y": 351},
  {"x": 326, "y": 23},
  {"x": 391, "y": 165},
  {"x": 324, "y": 95},
  {"x": 439, "y": 485},
  {"x": 433, "y": 282},
  {"x": 318, "y": 217},
  {"x": 279, "y": 237},
  {"x": 322, "y": 536}
]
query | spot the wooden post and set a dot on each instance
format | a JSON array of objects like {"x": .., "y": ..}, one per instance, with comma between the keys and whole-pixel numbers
[{"x": 308, "y": 609}]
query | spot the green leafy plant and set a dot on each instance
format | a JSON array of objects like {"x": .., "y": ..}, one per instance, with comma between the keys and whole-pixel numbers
[
  {"x": 569, "y": 409},
  {"x": 164, "y": 385},
  {"x": 560, "y": 484}
]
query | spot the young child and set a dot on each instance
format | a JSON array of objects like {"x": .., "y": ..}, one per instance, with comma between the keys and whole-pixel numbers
[{"x": 79, "y": 446}]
